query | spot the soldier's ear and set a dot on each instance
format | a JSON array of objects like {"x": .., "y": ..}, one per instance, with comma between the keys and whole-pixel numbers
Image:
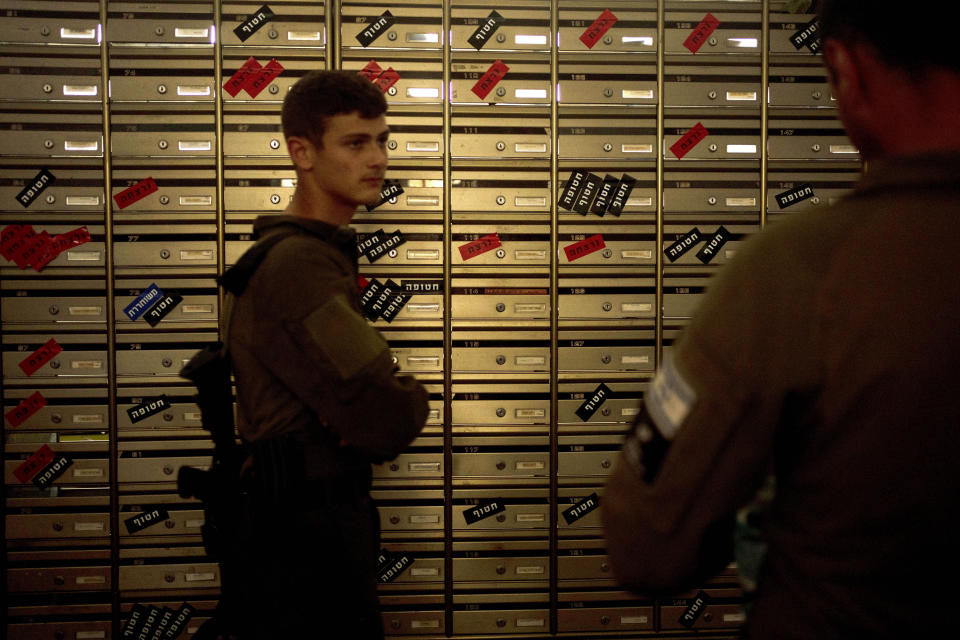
[{"x": 302, "y": 152}]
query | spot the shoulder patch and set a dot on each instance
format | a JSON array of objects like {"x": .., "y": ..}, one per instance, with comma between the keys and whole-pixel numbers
[
  {"x": 669, "y": 398},
  {"x": 344, "y": 336}
]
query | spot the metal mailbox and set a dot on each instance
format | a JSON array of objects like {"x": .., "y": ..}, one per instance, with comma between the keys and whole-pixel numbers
[
  {"x": 598, "y": 352},
  {"x": 156, "y": 472},
  {"x": 598, "y": 135},
  {"x": 723, "y": 610},
  {"x": 518, "y": 133},
  {"x": 296, "y": 64},
  {"x": 182, "y": 247},
  {"x": 58, "y": 579},
  {"x": 43, "y": 304},
  {"x": 189, "y": 190},
  {"x": 738, "y": 32},
  {"x": 526, "y": 513},
  {"x": 163, "y": 133},
  {"x": 162, "y": 75},
  {"x": 86, "y": 259},
  {"x": 253, "y": 131},
  {"x": 411, "y": 24},
  {"x": 681, "y": 297},
  {"x": 415, "y": 132},
  {"x": 641, "y": 202},
  {"x": 509, "y": 465},
  {"x": 70, "y": 22},
  {"x": 499, "y": 352},
  {"x": 480, "y": 571},
  {"x": 419, "y": 465},
  {"x": 783, "y": 26},
  {"x": 422, "y": 246},
  {"x": 84, "y": 471},
  {"x": 181, "y": 521},
  {"x": 811, "y": 138},
  {"x": 800, "y": 87},
  {"x": 198, "y": 309},
  {"x": 606, "y": 80},
  {"x": 160, "y": 24},
  {"x": 526, "y": 80},
  {"x": 410, "y": 513},
  {"x": 295, "y": 24},
  {"x": 494, "y": 190},
  {"x": 419, "y": 75},
  {"x": 157, "y": 357},
  {"x": 826, "y": 187},
  {"x": 617, "y": 407},
  {"x": 67, "y": 132},
  {"x": 91, "y": 629},
  {"x": 634, "y": 30},
  {"x": 606, "y": 299},
  {"x": 39, "y": 74},
  {"x": 582, "y": 563},
  {"x": 59, "y": 526},
  {"x": 423, "y": 574},
  {"x": 82, "y": 360},
  {"x": 498, "y": 409},
  {"x": 587, "y": 459},
  {"x": 521, "y": 246},
  {"x": 690, "y": 260},
  {"x": 729, "y": 138},
  {"x": 625, "y": 251},
  {"x": 169, "y": 577},
  {"x": 422, "y": 189},
  {"x": 502, "y": 620},
  {"x": 592, "y": 611},
  {"x": 76, "y": 193},
  {"x": 707, "y": 192},
  {"x": 712, "y": 85},
  {"x": 412, "y": 623},
  {"x": 416, "y": 352},
  {"x": 523, "y": 25},
  {"x": 253, "y": 187},
  {"x": 181, "y": 420},
  {"x": 82, "y": 409},
  {"x": 499, "y": 300},
  {"x": 421, "y": 310}
]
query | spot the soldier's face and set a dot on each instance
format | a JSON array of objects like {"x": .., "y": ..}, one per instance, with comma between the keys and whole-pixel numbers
[{"x": 351, "y": 164}]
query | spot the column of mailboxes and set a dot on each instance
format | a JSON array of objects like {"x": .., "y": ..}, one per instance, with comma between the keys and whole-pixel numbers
[{"x": 54, "y": 322}]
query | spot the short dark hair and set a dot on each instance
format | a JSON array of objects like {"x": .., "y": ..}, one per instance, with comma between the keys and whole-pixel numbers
[
  {"x": 910, "y": 37},
  {"x": 322, "y": 94}
]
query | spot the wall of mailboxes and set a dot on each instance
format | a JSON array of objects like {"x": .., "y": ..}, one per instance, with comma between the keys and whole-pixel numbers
[{"x": 519, "y": 304}]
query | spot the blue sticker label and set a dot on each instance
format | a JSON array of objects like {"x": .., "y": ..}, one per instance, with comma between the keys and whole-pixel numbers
[{"x": 146, "y": 300}]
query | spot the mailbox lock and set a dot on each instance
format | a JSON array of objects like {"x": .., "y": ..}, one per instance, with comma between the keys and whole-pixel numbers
[
  {"x": 169, "y": 524},
  {"x": 501, "y": 360},
  {"x": 164, "y": 199},
  {"x": 501, "y": 92},
  {"x": 163, "y": 144},
  {"x": 161, "y": 89},
  {"x": 501, "y": 253},
  {"x": 501, "y": 37},
  {"x": 501, "y": 517},
  {"x": 55, "y": 364},
  {"x": 168, "y": 417},
  {"x": 51, "y": 199},
  {"x": 712, "y": 200},
  {"x": 54, "y": 309},
  {"x": 394, "y": 624},
  {"x": 58, "y": 580},
  {"x": 394, "y": 467},
  {"x": 707, "y": 616},
  {"x": 274, "y": 144},
  {"x": 48, "y": 144},
  {"x": 501, "y": 569},
  {"x": 272, "y": 34},
  {"x": 59, "y": 635},
  {"x": 713, "y": 42},
  {"x": 392, "y": 253},
  {"x": 607, "y": 306},
  {"x": 816, "y": 95},
  {"x": 604, "y": 567},
  {"x": 501, "y": 412},
  {"x": 607, "y": 147},
  {"x": 501, "y": 622},
  {"x": 392, "y": 91},
  {"x": 605, "y": 359},
  {"x": 713, "y": 147},
  {"x": 392, "y": 36},
  {"x": 608, "y": 92},
  {"x": 607, "y": 253},
  {"x": 47, "y": 88},
  {"x": 815, "y": 147},
  {"x": 164, "y": 253},
  {"x": 605, "y": 411},
  {"x": 58, "y": 526},
  {"x": 167, "y": 363},
  {"x": 275, "y": 199},
  {"x": 392, "y": 145},
  {"x": 274, "y": 89},
  {"x": 167, "y": 470},
  {"x": 56, "y": 418},
  {"x": 169, "y": 577},
  {"x": 501, "y": 145},
  {"x": 607, "y": 40},
  {"x": 815, "y": 200},
  {"x": 501, "y": 200},
  {"x": 604, "y": 619},
  {"x": 501, "y": 307},
  {"x": 159, "y": 31},
  {"x": 501, "y": 465},
  {"x": 393, "y": 200},
  {"x": 712, "y": 94},
  {"x": 44, "y": 30},
  {"x": 605, "y": 464},
  {"x": 394, "y": 519}
]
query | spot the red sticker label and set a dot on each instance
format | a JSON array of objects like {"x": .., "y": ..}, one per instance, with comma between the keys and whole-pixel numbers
[
  {"x": 138, "y": 191},
  {"x": 481, "y": 245},
  {"x": 261, "y": 79},
  {"x": 32, "y": 465},
  {"x": 386, "y": 80},
  {"x": 599, "y": 27},
  {"x": 490, "y": 79},
  {"x": 11, "y": 239},
  {"x": 699, "y": 35},
  {"x": 689, "y": 140},
  {"x": 362, "y": 282},
  {"x": 26, "y": 408},
  {"x": 371, "y": 71},
  {"x": 40, "y": 357},
  {"x": 33, "y": 250},
  {"x": 585, "y": 247},
  {"x": 235, "y": 84}
]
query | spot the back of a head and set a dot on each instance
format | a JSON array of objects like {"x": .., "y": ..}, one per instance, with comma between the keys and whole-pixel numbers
[
  {"x": 915, "y": 37},
  {"x": 322, "y": 94}
]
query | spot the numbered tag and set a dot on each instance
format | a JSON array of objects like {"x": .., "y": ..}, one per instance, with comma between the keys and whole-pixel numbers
[
  {"x": 32, "y": 191},
  {"x": 600, "y": 26},
  {"x": 137, "y": 192},
  {"x": 253, "y": 24}
]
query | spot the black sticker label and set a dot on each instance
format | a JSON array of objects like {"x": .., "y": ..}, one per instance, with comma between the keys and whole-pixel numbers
[
  {"x": 693, "y": 612},
  {"x": 146, "y": 519},
  {"x": 483, "y": 510},
  {"x": 384, "y": 247},
  {"x": 52, "y": 471},
  {"x": 394, "y": 567},
  {"x": 394, "y": 305},
  {"x": 710, "y": 250},
  {"x": 369, "y": 242},
  {"x": 180, "y": 621},
  {"x": 581, "y": 508},
  {"x": 378, "y": 305},
  {"x": 252, "y": 24},
  {"x": 572, "y": 189},
  {"x": 137, "y": 615},
  {"x": 423, "y": 286},
  {"x": 621, "y": 194},
  {"x": 148, "y": 408},
  {"x": 604, "y": 195},
  {"x": 376, "y": 29},
  {"x": 588, "y": 408},
  {"x": 382, "y": 559},
  {"x": 391, "y": 189},
  {"x": 684, "y": 244},
  {"x": 40, "y": 182},
  {"x": 150, "y": 621},
  {"x": 591, "y": 184},
  {"x": 369, "y": 295},
  {"x": 795, "y": 195},
  {"x": 808, "y": 35},
  {"x": 160, "y": 310},
  {"x": 482, "y": 35},
  {"x": 166, "y": 616}
]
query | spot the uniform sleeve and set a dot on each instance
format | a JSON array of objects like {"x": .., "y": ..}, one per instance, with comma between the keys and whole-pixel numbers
[{"x": 333, "y": 360}]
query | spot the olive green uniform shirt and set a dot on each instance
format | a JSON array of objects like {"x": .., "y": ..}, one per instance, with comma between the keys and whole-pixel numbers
[{"x": 828, "y": 349}]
